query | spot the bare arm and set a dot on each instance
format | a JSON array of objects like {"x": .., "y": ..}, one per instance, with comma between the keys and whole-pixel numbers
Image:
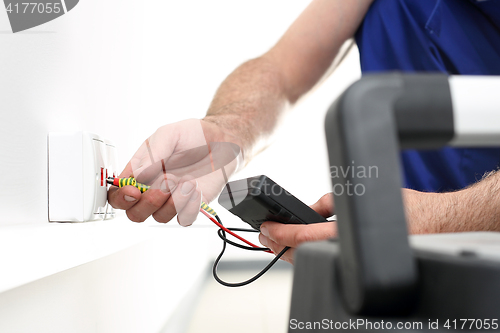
[
  {"x": 246, "y": 109},
  {"x": 475, "y": 208},
  {"x": 251, "y": 101}
]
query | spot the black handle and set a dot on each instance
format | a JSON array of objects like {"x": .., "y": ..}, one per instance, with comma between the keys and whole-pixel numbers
[{"x": 365, "y": 129}]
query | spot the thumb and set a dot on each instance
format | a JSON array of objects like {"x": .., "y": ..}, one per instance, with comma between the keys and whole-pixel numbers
[{"x": 325, "y": 206}]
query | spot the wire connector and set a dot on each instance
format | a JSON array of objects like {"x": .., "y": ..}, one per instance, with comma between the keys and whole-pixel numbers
[
  {"x": 207, "y": 208},
  {"x": 121, "y": 182}
]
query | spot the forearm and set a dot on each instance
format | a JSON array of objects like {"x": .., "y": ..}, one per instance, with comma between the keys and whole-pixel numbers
[
  {"x": 476, "y": 208},
  {"x": 250, "y": 103}
]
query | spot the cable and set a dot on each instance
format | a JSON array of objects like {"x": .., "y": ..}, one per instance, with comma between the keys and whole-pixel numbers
[
  {"x": 120, "y": 182},
  {"x": 219, "y": 232},
  {"x": 244, "y": 283},
  {"x": 229, "y": 231},
  {"x": 211, "y": 214},
  {"x": 240, "y": 284},
  {"x": 222, "y": 233},
  {"x": 204, "y": 208}
]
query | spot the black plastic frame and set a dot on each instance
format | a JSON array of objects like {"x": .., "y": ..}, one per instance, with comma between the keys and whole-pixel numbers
[{"x": 366, "y": 127}]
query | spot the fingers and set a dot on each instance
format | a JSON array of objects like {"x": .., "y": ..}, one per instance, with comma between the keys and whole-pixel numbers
[
  {"x": 186, "y": 199},
  {"x": 188, "y": 214},
  {"x": 276, "y": 248},
  {"x": 166, "y": 197},
  {"x": 294, "y": 234},
  {"x": 182, "y": 149},
  {"x": 325, "y": 206},
  {"x": 123, "y": 198},
  {"x": 166, "y": 212},
  {"x": 278, "y": 235},
  {"x": 150, "y": 201}
]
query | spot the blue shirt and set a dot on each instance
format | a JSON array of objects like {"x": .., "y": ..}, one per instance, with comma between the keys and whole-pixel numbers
[{"x": 449, "y": 36}]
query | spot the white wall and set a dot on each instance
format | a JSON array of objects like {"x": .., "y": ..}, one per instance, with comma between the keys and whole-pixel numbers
[
  {"x": 121, "y": 69},
  {"x": 78, "y": 72}
]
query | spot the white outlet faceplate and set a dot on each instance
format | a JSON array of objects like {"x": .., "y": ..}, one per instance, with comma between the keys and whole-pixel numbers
[{"x": 78, "y": 165}]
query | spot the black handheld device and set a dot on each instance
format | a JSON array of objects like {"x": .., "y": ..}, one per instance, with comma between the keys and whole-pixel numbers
[{"x": 259, "y": 199}]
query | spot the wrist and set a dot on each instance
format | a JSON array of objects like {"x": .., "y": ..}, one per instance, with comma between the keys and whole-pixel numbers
[
  {"x": 215, "y": 131},
  {"x": 421, "y": 214},
  {"x": 428, "y": 212},
  {"x": 220, "y": 130}
]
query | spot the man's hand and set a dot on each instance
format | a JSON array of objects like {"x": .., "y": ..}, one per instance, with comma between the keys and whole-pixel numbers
[
  {"x": 182, "y": 162},
  {"x": 425, "y": 212},
  {"x": 277, "y": 235},
  {"x": 475, "y": 208}
]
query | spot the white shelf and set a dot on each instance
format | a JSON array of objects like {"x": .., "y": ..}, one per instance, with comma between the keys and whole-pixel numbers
[{"x": 32, "y": 252}]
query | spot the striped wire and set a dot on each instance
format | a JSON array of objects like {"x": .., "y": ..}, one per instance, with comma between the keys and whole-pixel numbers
[
  {"x": 204, "y": 208},
  {"x": 131, "y": 181},
  {"x": 207, "y": 208}
]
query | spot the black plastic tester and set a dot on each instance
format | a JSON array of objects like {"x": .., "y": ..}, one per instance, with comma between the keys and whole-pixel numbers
[{"x": 259, "y": 199}]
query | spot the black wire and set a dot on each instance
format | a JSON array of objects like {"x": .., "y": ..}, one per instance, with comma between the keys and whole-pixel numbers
[
  {"x": 240, "y": 284},
  {"x": 223, "y": 237}
]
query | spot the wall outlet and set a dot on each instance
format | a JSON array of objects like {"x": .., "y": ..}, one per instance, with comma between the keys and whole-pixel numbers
[{"x": 78, "y": 164}]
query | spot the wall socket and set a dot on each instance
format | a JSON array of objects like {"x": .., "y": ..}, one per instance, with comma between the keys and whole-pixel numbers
[{"x": 78, "y": 165}]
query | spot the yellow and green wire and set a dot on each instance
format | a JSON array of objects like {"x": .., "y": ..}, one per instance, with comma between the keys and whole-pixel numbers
[{"x": 121, "y": 182}]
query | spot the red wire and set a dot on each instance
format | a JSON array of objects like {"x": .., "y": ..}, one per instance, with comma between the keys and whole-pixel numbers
[{"x": 229, "y": 231}]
